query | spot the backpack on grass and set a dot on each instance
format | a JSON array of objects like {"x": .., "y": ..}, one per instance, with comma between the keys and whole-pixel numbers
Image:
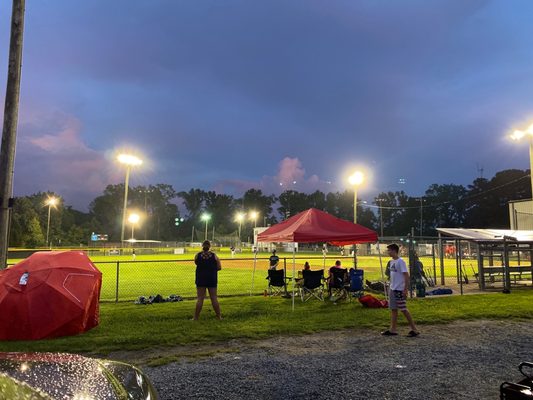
[{"x": 370, "y": 301}]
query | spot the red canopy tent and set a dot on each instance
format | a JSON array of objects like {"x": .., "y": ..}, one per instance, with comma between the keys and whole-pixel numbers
[
  {"x": 49, "y": 294},
  {"x": 314, "y": 226}
]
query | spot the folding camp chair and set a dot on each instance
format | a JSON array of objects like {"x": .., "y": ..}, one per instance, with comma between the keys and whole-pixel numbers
[
  {"x": 277, "y": 282},
  {"x": 523, "y": 390},
  {"x": 356, "y": 282},
  {"x": 339, "y": 284},
  {"x": 312, "y": 285}
]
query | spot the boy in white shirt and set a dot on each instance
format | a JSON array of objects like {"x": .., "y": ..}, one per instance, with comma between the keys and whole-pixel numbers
[{"x": 399, "y": 282}]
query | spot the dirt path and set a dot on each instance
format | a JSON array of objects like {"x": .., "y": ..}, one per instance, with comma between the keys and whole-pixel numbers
[{"x": 455, "y": 361}]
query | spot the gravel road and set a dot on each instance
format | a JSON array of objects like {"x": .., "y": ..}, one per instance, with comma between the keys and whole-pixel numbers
[{"x": 463, "y": 360}]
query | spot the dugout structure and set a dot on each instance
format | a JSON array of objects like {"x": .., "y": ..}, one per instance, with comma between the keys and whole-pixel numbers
[{"x": 503, "y": 256}]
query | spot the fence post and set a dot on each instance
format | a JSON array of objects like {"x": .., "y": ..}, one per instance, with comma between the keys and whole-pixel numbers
[
  {"x": 441, "y": 259},
  {"x": 459, "y": 262},
  {"x": 116, "y": 288},
  {"x": 411, "y": 250},
  {"x": 505, "y": 264},
  {"x": 458, "y": 274},
  {"x": 480, "y": 270},
  {"x": 434, "y": 263}
]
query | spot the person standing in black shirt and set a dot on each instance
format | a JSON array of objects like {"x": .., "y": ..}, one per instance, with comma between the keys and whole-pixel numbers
[{"x": 207, "y": 267}]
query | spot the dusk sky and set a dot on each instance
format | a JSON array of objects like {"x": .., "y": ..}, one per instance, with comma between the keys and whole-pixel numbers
[{"x": 228, "y": 95}]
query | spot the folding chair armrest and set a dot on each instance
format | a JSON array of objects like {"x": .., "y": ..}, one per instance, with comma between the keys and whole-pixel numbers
[{"x": 521, "y": 368}]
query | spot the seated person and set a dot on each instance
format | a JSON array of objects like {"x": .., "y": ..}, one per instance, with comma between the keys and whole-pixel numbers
[
  {"x": 300, "y": 278},
  {"x": 331, "y": 275},
  {"x": 273, "y": 260}
]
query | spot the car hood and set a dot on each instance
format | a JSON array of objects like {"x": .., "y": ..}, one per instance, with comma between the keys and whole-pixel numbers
[{"x": 61, "y": 376}]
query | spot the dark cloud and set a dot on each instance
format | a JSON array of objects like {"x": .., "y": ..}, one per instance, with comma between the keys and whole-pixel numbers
[{"x": 219, "y": 92}]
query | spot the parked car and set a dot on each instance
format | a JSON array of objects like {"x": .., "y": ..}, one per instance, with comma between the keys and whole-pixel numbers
[{"x": 58, "y": 376}]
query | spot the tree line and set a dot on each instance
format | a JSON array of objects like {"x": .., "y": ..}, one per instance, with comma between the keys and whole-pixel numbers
[{"x": 481, "y": 204}]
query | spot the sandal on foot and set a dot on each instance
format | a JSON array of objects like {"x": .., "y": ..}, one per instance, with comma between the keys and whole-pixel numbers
[
  {"x": 389, "y": 333},
  {"x": 413, "y": 334}
]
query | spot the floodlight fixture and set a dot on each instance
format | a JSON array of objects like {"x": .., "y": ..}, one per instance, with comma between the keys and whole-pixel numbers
[
  {"x": 129, "y": 159},
  {"x": 134, "y": 218},
  {"x": 356, "y": 178}
]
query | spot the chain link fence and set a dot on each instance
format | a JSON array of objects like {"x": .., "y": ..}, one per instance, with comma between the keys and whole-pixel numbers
[
  {"x": 127, "y": 280},
  {"x": 441, "y": 264}
]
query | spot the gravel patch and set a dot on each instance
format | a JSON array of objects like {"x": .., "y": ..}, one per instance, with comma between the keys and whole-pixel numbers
[{"x": 463, "y": 360}]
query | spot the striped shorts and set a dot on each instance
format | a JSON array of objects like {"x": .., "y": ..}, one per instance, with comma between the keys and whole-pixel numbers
[{"x": 397, "y": 300}]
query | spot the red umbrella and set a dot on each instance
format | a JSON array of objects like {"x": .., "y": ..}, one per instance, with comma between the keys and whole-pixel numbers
[{"x": 49, "y": 294}]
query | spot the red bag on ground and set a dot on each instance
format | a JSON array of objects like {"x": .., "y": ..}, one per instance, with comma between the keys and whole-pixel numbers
[{"x": 371, "y": 302}]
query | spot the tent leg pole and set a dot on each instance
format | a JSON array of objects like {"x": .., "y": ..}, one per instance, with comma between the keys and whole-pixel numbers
[
  {"x": 253, "y": 274},
  {"x": 382, "y": 274},
  {"x": 293, "y": 275}
]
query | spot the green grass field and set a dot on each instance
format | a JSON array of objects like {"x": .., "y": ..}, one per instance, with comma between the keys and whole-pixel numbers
[
  {"x": 128, "y": 327},
  {"x": 171, "y": 276},
  {"x": 167, "y": 274}
]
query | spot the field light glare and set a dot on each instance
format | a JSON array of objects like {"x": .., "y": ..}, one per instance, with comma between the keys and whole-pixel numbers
[
  {"x": 134, "y": 218},
  {"x": 51, "y": 201},
  {"x": 240, "y": 217},
  {"x": 129, "y": 159},
  {"x": 205, "y": 217},
  {"x": 356, "y": 179},
  {"x": 254, "y": 215},
  {"x": 518, "y": 134}
]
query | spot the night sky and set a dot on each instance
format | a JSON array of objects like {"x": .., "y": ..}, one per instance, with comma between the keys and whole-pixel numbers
[{"x": 228, "y": 95}]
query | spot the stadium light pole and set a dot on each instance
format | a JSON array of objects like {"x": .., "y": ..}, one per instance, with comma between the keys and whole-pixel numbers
[
  {"x": 133, "y": 219},
  {"x": 129, "y": 161},
  {"x": 239, "y": 218},
  {"x": 50, "y": 202},
  {"x": 356, "y": 179},
  {"x": 205, "y": 217},
  {"x": 253, "y": 216},
  {"x": 517, "y": 135}
]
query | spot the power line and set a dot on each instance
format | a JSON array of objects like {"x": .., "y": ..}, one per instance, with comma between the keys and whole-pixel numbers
[{"x": 446, "y": 202}]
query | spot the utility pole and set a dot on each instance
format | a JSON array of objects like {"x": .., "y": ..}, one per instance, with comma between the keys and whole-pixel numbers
[
  {"x": 421, "y": 216},
  {"x": 125, "y": 207},
  {"x": 9, "y": 131}
]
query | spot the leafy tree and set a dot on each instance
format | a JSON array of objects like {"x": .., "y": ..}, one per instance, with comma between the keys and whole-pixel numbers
[
  {"x": 222, "y": 208},
  {"x": 487, "y": 200},
  {"x": 193, "y": 201},
  {"x": 26, "y": 230},
  {"x": 254, "y": 199},
  {"x": 292, "y": 202},
  {"x": 445, "y": 207},
  {"x": 399, "y": 212}
]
